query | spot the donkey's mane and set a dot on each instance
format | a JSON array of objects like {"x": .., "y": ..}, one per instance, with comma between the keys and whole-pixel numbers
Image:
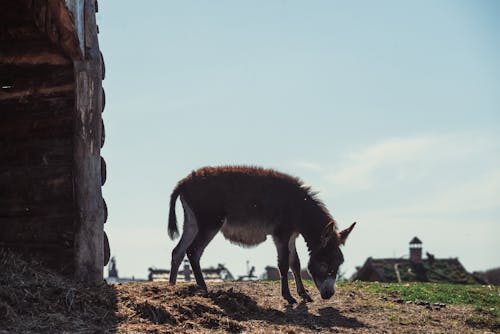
[
  {"x": 311, "y": 196},
  {"x": 242, "y": 169}
]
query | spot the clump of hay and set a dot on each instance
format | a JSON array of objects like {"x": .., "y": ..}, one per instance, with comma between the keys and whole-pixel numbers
[{"x": 35, "y": 299}]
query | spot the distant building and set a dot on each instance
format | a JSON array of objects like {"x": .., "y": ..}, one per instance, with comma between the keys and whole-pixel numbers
[
  {"x": 250, "y": 275},
  {"x": 273, "y": 274},
  {"x": 491, "y": 276},
  {"x": 218, "y": 274},
  {"x": 113, "y": 273},
  {"x": 415, "y": 269}
]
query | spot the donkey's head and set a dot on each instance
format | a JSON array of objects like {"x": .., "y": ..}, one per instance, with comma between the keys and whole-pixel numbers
[{"x": 325, "y": 261}]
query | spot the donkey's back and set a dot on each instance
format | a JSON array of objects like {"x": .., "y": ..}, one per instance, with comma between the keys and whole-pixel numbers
[{"x": 242, "y": 200}]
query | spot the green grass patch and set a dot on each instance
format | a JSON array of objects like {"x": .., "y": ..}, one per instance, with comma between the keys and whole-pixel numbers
[{"x": 484, "y": 298}]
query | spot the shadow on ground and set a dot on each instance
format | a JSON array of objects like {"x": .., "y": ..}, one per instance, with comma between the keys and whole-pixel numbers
[{"x": 240, "y": 307}]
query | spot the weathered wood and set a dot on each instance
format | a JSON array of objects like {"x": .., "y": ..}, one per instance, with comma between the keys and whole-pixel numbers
[
  {"x": 22, "y": 77},
  {"x": 107, "y": 250},
  {"x": 103, "y": 68},
  {"x": 31, "y": 185},
  {"x": 55, "y": 19},
  {"x": 40, "y": 152},
  {"x": 76, "y": 7},
  {"x": 33, "y": 52},
  {"x": 59, "y": 20},
  {"x": 15, "y": 13},
  {"x": 50, "y": 164},
  {"x": 105, "y": 210},
  {"x": 37, "y": 210},
  {"x": 48, "y": 229},
  {"x": 46, "y": 91},
  {"x": 26, "y": 125},
  {"x": 103, "y": 100},
  {"x": 87, "y": 142},
  {"x": 103, "y": 171},
  {"x": 103, "y": 133},
  {"x": 11, "y": 109},
  {"x": 15, "y": 32}
]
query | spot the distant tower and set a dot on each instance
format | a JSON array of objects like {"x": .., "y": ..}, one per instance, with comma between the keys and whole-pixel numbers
[
  {"x": 415, "y": 250},
  {"x": 112, "y": 271}
]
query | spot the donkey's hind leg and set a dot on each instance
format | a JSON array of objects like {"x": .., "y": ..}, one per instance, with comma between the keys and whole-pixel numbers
[
  {"x": 195, "y": 251},
  {"x": 188, "y": 235}
]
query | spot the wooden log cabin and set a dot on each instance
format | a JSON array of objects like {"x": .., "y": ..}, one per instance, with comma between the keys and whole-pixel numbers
[{"x": 51, "y": 134}]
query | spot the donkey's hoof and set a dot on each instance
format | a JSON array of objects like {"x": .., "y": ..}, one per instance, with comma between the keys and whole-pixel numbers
[
  {"x": 201, "y": 289},
  {"x": 291, "y": 300},
  {"x": 306, "y": 297}
]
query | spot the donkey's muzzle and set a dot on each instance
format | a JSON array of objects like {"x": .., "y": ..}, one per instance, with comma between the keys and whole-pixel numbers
[
  {"x": 327, "y": 288},
  {"x": 327, "y": 294}
]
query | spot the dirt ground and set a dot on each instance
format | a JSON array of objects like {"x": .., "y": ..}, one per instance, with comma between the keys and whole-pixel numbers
[
  {"x": 35, "y": 300},
  {"x": 257, "y": 307}
]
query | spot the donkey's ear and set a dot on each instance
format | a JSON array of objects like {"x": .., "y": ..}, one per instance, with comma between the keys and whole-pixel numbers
[
  {"x": 327, "y": 234},
  {"x": 345, "y": 233}
]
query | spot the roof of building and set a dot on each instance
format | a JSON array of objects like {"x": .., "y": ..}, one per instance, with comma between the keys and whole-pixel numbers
[
  {"x": 415, "y": 240},
  {"x": 430, "y": 270}
]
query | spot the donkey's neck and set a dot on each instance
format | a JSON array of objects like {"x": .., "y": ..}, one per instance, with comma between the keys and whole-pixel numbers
[{"x": 313, "y": 224}]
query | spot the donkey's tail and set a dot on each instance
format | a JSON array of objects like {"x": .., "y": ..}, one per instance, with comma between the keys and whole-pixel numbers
[{"x": 173, "y": 231}]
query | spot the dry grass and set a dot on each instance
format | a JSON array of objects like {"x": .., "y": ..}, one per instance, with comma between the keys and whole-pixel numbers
[{"x": 35, "y": 300}]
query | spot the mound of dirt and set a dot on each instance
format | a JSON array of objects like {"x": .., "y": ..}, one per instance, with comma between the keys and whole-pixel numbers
[{"x": 257, "y": 307}]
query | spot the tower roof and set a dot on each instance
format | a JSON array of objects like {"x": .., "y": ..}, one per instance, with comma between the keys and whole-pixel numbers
[{"x": 415, "y": 240}]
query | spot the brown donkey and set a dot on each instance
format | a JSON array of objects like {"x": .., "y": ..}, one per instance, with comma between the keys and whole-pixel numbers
[{"x": 246, "y": 204}]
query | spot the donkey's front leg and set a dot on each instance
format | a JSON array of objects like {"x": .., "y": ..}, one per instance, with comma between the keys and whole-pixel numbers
[
  {"x": 295, "y": 265},
  {"x": 284, "y": 265}
]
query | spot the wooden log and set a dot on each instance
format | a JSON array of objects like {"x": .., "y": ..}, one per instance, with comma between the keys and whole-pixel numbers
[
  {"x": 103, "y": 100},
  {"x": 34, "y": 105},
  {"x": 15, "y": 13},
  {"x": 103, "y": 133},
  {"x": 103, "y": 171},
  {"x": 89, "y": 252},
  {"x": 103, "y": 68},
  {"x": 33, "y": 52},
  {"x": 51, "y": 124},
  {"x": 24, "y": 31},
  {"x": 105, "y": 210},
  {"x": 107, "y": 250},
  {"x": 30, "y": 185},
  {"x": 46, "y": 208},
  {"x": 39, "y": 13},
  {"x": 56, "y": 229},
  {"x": 55, "y": 19},
  {"x": 20, "y": 82},
  {"x": 46, "y": 91},
  {"x": 23, "y": 77},
  {"x": 39, "y": 152}
]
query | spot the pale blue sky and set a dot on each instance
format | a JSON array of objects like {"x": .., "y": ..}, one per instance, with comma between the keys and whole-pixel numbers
[{"x": 390, "y": 108}]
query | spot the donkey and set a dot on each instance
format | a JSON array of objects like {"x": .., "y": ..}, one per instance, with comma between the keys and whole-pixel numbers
[{"x": 247, "y": 204}]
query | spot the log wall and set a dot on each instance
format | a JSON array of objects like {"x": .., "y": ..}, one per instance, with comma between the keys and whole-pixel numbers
[
  {"x": 51, "y": 133},
  {"x": 36, "y": 141}
]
